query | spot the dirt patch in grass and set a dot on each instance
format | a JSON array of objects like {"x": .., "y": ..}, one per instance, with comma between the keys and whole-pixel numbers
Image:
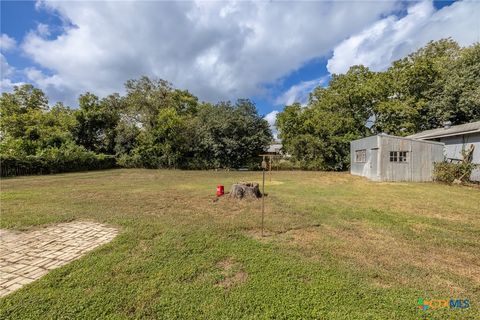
[
  {"x": 232, "y": 273},
  {"x": 308, "y": 238}
]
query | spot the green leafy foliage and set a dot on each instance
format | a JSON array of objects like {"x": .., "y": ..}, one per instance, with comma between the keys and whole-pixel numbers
[
  {"x": 67, "y": 158},
  {"x": 29, "y": 126},
  {"x": 153, "y": 126},
  {"x": 229, "y": 136},
  {"x": 449, "y": 172},
  {"x": 439, "y": 82},
  {"x": 96, "y": 121}
]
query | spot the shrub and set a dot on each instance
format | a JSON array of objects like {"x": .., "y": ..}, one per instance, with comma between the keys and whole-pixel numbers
[
  {"x": 55, "y": 160},
  {"x": 129, "y": 161},
  {"x": 449, "y": 172},
  {"x": 287, "y": 164}
]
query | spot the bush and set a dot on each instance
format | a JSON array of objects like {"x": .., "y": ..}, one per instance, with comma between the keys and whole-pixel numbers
[
  {"x": 448, "y": 172},
  {"x": 287, "y": 164},
  {"x": 55, "y": 161}
]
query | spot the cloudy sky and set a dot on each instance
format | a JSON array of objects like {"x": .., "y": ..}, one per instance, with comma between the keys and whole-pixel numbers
[{"x": 273, "y": 52}]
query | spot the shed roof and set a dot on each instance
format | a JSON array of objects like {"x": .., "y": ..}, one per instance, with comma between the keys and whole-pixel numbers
[
  {"x": 274, "y": 147},
  {"x": 467, "y": 128},
  {"x": 402, "y": 138},
  {"x": 410, "y": 139}
]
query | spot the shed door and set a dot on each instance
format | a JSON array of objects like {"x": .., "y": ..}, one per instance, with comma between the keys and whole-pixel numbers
[{"x": 374, "y": 162}]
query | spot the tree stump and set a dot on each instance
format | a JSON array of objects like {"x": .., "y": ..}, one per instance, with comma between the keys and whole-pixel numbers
[{"x": 243, "y": 190}]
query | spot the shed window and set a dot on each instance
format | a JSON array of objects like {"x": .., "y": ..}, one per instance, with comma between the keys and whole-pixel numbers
[
  {"x": 398, "y": 156},
  {"x": 361, "y": 155}
]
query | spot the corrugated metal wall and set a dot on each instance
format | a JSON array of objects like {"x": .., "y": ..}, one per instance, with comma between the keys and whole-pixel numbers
[
  {"x": 454, "y": 146},
  {"x": 421, "y": 156},
  {"x": 368, "y": 168}
]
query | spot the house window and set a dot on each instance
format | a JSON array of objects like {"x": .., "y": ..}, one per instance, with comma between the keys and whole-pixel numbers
[
  {"x": 361, "y": 155},
  {"x": 398, "y": 156}
]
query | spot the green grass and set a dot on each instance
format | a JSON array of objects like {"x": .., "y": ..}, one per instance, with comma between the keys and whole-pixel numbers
[{"x": 337, "y": 247}]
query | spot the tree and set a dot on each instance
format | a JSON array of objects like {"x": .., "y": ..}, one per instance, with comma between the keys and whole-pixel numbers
[
  {"x": 229, "y": 136},
  {"x": 416, "y": 81},
  {"x": 146, "y": 97},
  {"x": 164, "y": 145},
  {"x": 56, "y": 126},
  {"x": 459, "y": 99},
  {"x": 96, "y": 122},
  {"x": 316, "y": 136},
  {"x": 29, "y": 126},
  {"x": 154, "y": 125},
  {"x": 23, "y": 98},
  {"x": 438, "y": 82},
  {"x": 126, "y": 136},
  {"x": 20, "y": 110}
]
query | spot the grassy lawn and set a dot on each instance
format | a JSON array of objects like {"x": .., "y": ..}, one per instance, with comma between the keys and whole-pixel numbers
[{"x": 337, "y": 247}]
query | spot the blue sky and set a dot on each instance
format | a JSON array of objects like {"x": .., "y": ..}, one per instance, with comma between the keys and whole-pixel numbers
[{"x": 272, "y": 52}]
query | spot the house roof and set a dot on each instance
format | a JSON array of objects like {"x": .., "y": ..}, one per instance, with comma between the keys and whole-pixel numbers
[
  {"x": 467, "y": 128},
  {"x": 274, "y": 147}
]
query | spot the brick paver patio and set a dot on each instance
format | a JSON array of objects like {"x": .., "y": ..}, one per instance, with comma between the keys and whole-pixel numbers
[{"x": 26, "y": 256}]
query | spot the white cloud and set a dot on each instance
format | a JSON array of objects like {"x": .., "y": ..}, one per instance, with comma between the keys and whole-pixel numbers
[
  {"x": 7, "y": 43},
  {"x": 271, "y": 119},
  {"x": 43, "y": 30},
  {"x": 6, "y": 84},
  {"x": 300, "y": 92},
  {"x": 217, "y": 50},
  {"x": 6, "y": 69},
  {"x": 7, "y": 72},
  {"x": 392, "y": 38}
]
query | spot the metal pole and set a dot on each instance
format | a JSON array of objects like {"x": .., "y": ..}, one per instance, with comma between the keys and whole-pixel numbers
[
  {"x": 263, "y": 198},
  {"x": 270, "y": 168}
]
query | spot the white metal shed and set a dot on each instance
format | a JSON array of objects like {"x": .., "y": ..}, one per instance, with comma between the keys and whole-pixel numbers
[{"x": 390, "y": 158}]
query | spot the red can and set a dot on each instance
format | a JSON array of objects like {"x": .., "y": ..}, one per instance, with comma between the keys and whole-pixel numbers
[{"x": 220, "y": 190}]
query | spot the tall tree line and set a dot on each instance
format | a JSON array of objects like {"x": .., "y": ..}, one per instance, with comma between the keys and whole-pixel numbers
[
  {"x": 439, "y": 82},
  {"x": 153, "y": 125}
]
